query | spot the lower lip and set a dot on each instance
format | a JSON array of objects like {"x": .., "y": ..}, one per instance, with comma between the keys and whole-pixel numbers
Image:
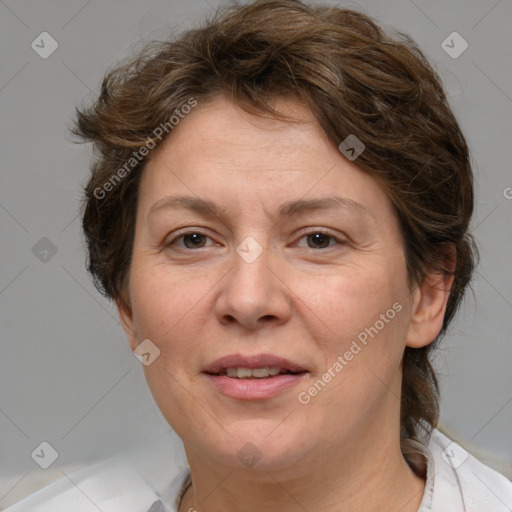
[{"x": 255, "y": 389}]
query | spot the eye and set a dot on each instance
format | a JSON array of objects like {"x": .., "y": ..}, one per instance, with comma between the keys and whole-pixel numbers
[
  {"x": 197, "y": 240},
  {"x": 191, "y": 240},
  {"x": 320, "y": 239}
]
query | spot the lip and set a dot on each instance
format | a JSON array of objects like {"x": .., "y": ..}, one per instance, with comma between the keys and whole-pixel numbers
[{"x": 254, "y": 388}]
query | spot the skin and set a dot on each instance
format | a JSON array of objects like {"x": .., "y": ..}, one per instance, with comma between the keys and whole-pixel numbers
[{"x": 301, "y": 299}]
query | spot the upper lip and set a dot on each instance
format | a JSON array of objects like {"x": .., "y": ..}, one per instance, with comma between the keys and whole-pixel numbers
[{"x": 253, "y": 361}]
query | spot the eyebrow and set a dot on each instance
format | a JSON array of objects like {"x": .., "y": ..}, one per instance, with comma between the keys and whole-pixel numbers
[{"x": 288, "y": 209}]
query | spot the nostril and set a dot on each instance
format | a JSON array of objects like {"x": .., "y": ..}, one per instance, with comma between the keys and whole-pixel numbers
[{"x": 229, "y": 319}]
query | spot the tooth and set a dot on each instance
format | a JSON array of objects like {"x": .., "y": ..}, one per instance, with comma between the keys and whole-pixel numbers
[
  {"x": 260, "y": 372},
  {"x": 243, "y": 373},
  {"x": 247, "y": 373}
]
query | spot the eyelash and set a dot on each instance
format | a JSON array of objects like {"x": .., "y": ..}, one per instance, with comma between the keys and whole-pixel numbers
[{"x": 313, "y": 232}]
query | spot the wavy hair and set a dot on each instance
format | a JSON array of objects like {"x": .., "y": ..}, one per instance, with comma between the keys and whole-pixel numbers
[{"x": 355, "y": 78}]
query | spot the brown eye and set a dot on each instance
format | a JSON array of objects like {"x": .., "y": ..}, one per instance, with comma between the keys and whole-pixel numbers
[
  {"x": 191, "y": 240},
  {"x": 320, "y": 240},
  {"x": 196, "y": 240}
]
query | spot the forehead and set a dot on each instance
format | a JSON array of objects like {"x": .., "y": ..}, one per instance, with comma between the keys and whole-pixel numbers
[
  {"x": 218, "y": 128},
  {"x": 220, "y": 151}
]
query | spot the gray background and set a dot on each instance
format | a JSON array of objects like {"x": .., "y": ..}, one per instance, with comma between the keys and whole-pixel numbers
[{"x": 67, "y": 375}]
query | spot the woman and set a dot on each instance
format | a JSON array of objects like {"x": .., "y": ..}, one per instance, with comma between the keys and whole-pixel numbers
[{"x": 280, "y": 211}]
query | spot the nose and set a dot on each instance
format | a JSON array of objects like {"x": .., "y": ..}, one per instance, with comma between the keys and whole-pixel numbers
[{"x": 253, "y": 294}]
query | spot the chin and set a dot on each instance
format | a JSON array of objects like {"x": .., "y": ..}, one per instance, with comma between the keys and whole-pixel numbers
[{"x": 258, "y": 445}]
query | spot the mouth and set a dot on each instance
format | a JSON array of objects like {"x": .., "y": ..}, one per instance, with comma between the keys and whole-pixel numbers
[
  {"x": 254, "y": 377},
  {"x": 266, "y": 372},
  {"x": 258, "y": 366}
]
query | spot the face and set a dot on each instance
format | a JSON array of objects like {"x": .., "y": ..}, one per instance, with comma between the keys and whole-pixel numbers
[{"x": 284, "y": 256}]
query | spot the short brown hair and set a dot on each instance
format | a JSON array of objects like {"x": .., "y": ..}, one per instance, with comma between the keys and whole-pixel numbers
[{"x": 355, "y": 79}]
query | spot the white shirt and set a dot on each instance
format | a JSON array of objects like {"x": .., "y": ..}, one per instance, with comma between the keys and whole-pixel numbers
[{"x": 455, "y": 482}]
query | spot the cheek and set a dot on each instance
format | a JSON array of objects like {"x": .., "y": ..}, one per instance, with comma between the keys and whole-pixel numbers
[
  {"x": 352, "y": 301},
  {"x": 359, "y": 321},
  {"x": 359, "y": 327},
  {"x": 167, "y": 305}
]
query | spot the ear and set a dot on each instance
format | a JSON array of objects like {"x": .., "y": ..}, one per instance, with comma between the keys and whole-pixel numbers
[
  {"x": 126, "y": 316},
  {"x": 430, "y": 299}
]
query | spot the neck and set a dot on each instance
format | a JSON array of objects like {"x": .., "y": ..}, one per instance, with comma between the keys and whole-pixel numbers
[{"x": 374, "y": 479}]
